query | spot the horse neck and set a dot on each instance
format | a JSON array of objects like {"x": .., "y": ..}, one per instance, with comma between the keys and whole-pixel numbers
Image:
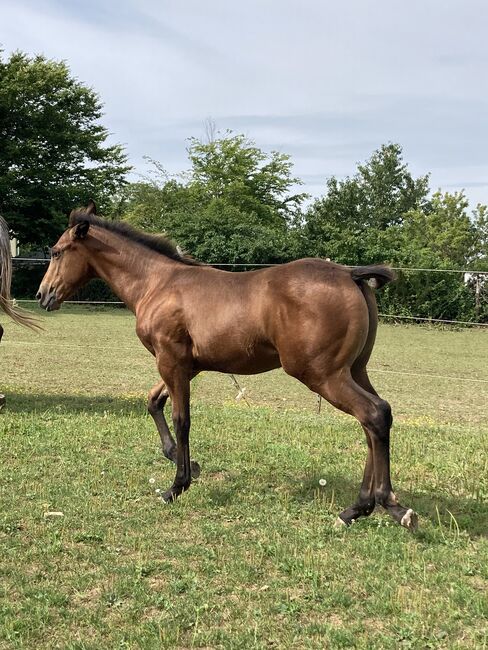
[{"x": 127, "y": 267}]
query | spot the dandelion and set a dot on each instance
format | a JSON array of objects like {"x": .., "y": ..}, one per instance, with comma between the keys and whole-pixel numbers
[
  {"x": 322, "y": 482},
  {"x": 152, "y": 481}
]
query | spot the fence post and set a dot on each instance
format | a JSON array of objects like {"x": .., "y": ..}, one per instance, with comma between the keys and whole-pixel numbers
[{"x": 477, "y": 293}]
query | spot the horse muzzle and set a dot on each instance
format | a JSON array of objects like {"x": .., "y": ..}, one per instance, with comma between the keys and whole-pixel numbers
[{"x": 47, "y": 299}]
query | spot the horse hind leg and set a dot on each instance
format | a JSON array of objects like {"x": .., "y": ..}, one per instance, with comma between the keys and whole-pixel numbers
[
  {"x": 158, "y": 396},
  {"x": 365, "y": 503},
  {"x": 374, "y": 414},
  {"x": 408, "y": 519}
]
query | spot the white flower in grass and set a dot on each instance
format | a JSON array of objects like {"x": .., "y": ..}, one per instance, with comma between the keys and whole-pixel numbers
[
  {"x": 322, "y": 482},
  {"x": 152, "y": 481}
]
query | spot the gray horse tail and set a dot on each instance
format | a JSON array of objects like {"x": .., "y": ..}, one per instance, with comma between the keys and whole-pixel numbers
[{"x": 6, "y": 303}]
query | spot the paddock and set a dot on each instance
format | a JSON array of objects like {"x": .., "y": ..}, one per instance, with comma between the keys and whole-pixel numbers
[{"x": 249, "y": 557}]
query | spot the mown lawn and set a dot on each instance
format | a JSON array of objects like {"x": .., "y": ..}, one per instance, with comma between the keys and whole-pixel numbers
[{"x": 249, "y": 557}]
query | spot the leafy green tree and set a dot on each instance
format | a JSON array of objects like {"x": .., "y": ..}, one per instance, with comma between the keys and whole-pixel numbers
[
  {"x": 384, "y": 214},
  {"x": 440, "y": 236},
  {"x": 480, "y": 223},
  {"x": 444, "y": 230},
  {"x": 352, "y": 223},
  {"x": 388, "y": 189},
  {"x": 234, "y": 205},
  {"x": 233, "y": 169},
  {"x": 53, "y": 151}
]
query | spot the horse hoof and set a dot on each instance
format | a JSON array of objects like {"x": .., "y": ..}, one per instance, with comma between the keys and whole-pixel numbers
[
  {"x": 168, "y": 497},
  {"x": 340, "y": 523},
  {"x": 195, "y": 469},
  {"x": 410, "y": 520}
]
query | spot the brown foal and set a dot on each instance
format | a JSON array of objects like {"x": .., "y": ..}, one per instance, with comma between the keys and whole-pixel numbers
[{"x": 315, "y": 319}]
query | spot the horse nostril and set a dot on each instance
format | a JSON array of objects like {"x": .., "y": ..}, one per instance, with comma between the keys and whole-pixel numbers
[{"x": 38, "y": 295}]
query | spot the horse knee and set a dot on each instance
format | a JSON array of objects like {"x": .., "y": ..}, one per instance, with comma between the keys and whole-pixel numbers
[
  {"x": 155, "y": 404},
  {"x": 151, "y": 406}
]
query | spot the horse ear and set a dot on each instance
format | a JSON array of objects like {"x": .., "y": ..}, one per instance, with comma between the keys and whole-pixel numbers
[
  {"x": 80, "y": 231},
  {"x": 91, "y": 208}
]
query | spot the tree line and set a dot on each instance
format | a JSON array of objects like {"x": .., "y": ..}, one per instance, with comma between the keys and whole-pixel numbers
[{"x": 235, "y": 203}]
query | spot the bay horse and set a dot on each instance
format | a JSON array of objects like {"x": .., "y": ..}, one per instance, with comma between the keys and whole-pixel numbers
[{"x": 315, "y": 319}]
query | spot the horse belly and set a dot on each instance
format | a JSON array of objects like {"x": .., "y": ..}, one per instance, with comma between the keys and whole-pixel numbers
[{"x": 240, "y": 359}]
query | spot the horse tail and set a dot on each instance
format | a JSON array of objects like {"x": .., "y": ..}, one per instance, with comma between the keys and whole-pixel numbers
[
  {"x": 6, "y": 303},
  {"x": 380, "y": 275}
]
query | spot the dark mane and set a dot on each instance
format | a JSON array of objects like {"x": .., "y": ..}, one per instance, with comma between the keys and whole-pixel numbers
[{"x": 157, "y": 243}]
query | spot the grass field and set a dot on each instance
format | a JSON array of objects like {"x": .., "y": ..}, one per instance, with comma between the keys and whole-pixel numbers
[{"x": 248, "y": 557}]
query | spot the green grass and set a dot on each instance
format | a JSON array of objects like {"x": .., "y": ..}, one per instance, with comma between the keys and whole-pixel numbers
[{"x": 249, "y": 557}]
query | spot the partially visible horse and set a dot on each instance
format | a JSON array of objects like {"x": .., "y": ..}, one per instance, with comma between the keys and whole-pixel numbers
[
  {"x": 6, "y": 303},
  {"x": 315, "y": 319}
]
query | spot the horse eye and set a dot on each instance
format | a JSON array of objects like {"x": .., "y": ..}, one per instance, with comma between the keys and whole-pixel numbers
[{"x": 55, "y": 254}]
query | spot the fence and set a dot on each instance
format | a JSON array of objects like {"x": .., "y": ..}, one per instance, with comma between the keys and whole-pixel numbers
[
  {"x": 449, "y": 296},
  {"x": 435, "y": 293}
]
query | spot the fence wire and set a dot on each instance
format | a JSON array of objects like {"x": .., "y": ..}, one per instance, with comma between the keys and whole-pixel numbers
[
  {"x": 242, "y": 391},
  {"x": 474, "y": 281}
]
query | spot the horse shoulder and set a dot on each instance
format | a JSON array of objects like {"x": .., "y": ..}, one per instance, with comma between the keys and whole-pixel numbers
[{"x": 162, "y": 329}]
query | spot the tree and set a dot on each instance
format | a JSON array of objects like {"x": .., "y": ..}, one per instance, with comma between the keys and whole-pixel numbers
[
  {"x": 480, "y": 223},
  {"x": 233, "y": 169},
  {"x": 234, "y": 204},
  {"x": 440, "y": 236},
  {"x": 53, "y": 151},
  {"x": 388, "y": 189},
  {"x": 444, "y": 230},
  {"x": 353, "y": 222},
  {"x": 383, "y": 214}
]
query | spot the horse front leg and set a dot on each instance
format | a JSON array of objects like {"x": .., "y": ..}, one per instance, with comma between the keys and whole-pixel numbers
[
  {"x": 179, "y": 390},
  {"x": 158, "y": 396}
]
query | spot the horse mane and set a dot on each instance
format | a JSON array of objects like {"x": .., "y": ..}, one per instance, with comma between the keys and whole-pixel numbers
[{"x": 157, "y": 243}]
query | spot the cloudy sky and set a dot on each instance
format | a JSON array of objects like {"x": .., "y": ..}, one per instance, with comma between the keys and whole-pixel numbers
[{"x": 325, "y": 81}]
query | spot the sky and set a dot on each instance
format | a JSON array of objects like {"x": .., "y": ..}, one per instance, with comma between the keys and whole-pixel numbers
[{"x": 325, "y": 81}]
